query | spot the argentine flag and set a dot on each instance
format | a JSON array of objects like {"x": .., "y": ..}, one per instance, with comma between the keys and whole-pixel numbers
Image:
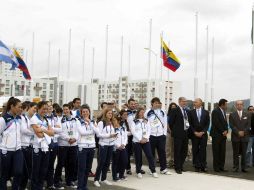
[{"x": 7, "y": 56}]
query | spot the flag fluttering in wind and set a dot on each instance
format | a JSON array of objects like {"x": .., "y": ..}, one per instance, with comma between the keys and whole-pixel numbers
[
  {"x": 22, "y": 66},
  {"x": 169, "y": 59},
  {"x": 13, "y": 57}
]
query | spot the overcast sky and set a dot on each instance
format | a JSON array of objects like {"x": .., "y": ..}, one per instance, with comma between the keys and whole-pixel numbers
[{"x": 229, "y": 22}]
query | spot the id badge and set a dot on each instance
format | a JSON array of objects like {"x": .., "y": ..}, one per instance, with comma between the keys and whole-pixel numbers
[
  {"x": 70, "y": 133},
  {"x": 155, "y": 123}
]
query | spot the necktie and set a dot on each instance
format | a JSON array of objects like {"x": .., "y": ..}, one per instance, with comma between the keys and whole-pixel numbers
[
  {"x": 199, "y": 115},
  {"x": 240, "y": 114}
]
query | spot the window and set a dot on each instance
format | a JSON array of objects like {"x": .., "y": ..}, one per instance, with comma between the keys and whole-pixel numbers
[
  {"x": 7, "y": 91},
  {"x": 51, "y": 94},
  {"x": 37, "y": 93},
  {"x": 7, "y": 82},
  {"x": 51, "y": 87},
  {"x": 44, "y": 85}
]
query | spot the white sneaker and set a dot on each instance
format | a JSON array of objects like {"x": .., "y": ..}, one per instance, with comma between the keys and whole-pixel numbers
[
  {"x": 96, "y": 184},
  {"x": 166, "y": 172},
  {"x": 139, "y": 175},
  {"x": 155, "y": 175},
  {"x": 106, "y": 182}
]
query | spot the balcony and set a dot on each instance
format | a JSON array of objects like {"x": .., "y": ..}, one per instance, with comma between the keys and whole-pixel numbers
[
  {"x": 2, "y": 85},
  {"x": 1, "y": 93},
  {"x": 37, "y": 88}
]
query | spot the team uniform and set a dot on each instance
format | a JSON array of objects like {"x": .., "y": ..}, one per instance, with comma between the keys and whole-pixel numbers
[
  {"x": 67, "y": 153},
  {"x": 119, "y": 160},
  {"x": 54, "y": 121},
  {"x": 40, "y": 153},
  {"x": 158, "y": 122},
  {"x": 142, "y": 129},
  {"x": 27, "y": 136},
  {"x": 106, "y": 145},
  {"x": 11, "y": 153},
  {"x": 86, "y": 150}
]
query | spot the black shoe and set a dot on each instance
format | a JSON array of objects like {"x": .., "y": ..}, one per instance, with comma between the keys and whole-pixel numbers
[
  {"x": 235, "y": 170},
  {"x": 116, "y": 179},
  {"x": 142, "y": 172},
  {"x": 244, "y": 171},
  {"x": 59, "y": 186},
  {"x": 51, "y": 187},
  {"x": 178, "y": 171},
  {"x": 216, "y": 170},
  {"x": 129, "y": 172},
  {"x": 197, "y": 169},
  {"x": 183, "y": 170}
]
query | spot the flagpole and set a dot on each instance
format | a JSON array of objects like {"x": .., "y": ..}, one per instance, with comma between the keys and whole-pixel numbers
[
  {"x": 206, "y": 68},
  {"x": 168, "y": 101},
  {"x": 149, "y": 64},
  {"x": 160, "y": 79},
  {"x": 106, "y": 67},
  {"x": 252, "y": 67},
  {"x": 48, "y": 59},
  {"x": 68, "y": 67},
  {"x": 212, "y": 78},
  {"x": 58, "y": 75},
  {"x": 129, "y": 71},
  {"x": 121, "y": 75},
  {"x": 196, "y": 61},
  {"x": 32, "y": 57},
  {"x": 83, "y": 61},
  {"x": 92, "y": 76}
]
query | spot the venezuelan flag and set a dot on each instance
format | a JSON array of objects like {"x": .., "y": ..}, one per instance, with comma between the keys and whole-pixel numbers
[
  {"x": 169, "y": 59},
  {"x": 22, "y": 66}
]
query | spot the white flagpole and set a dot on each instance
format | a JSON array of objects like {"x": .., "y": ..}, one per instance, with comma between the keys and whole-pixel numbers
[
  {"x": 129, "y": 72},
  {"x": 212, "y": 81},
  {"x": 252, "y": 67},
  {"x": 206, "y": 68},
  {"x": 32, "y": 57},
  {"x": 121, "y": 75},
  {"x": 92, "y": 76},
  {"x": 83, "y": 61},
  {"x": 106, "y": 67},
  {"x": 196, "y": 61},
  {"x": 48, "y": 59},
  {"x": 149, "y": 65},
  {"x": 58, "y": 75},
  {"x": 68, "y": 66},
  {"x": 160, "y": 83}
]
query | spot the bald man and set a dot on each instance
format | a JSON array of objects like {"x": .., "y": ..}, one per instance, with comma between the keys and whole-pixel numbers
[
  {"x": 199, "y": 123},
  {"x": 240, "y": 123}
]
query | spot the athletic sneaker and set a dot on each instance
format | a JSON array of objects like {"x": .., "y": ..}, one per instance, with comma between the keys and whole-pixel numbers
[
  {"x": 166, "y": 172},
  {"x": 106, "y": 182},
  {"x": 139, "y": 175},
  {"x": 96, "y": 184},
  {"x": 155, "y": 175}
]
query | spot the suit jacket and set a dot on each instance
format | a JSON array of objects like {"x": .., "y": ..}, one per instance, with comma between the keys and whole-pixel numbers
[
  {"x": 219, "y": 123},
  {"x": 176, "y": 123},
  {"x": 197, "y": 126},
  {"x": 238, "y": 124}
]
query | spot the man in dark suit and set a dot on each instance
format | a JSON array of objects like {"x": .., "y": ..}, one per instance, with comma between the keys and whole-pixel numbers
[
  {"x": 179, "y": 125},
  {"x": 219, "y": 131},
  {"x": 199, "y": 123},
  {"x": 239, "y": 122}
]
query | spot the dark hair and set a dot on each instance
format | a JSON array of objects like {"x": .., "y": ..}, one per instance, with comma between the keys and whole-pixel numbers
[
  {"x": 122, "y": 111},
  {"x": 67, "y": 105},
  {"x": 76, "y": 99},
  {"x": 12, "y": 102},
  {"x": 170, "y": 106},
  {"x": 55, "y": 105},
  {"x": 138, "y": 111},
  {"x": 32, "y": 104},
  {"x": 250, "y": 107},
  {"x": 25, "y": 105},
  {"x": 71, "y": 105},
  {"x": 41, "y": 104},
  {"x": 222, "y": 102},
  {"x": 131, "y": 100},
  {"x": 102, "y": 104},
  {"x": 155, "y": 99},
  {"x": 85, "y": 107},
  {"x": 59, "y": 110}
]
